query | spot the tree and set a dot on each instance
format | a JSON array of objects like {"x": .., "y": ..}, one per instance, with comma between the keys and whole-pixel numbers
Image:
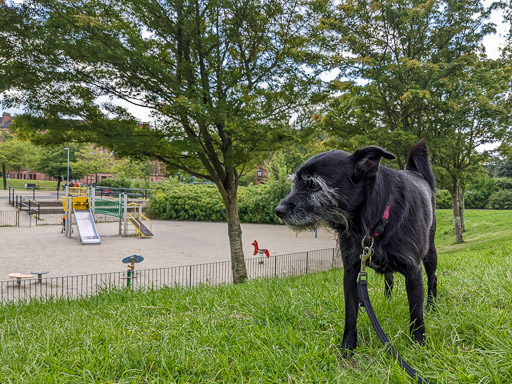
[
  {"x": 406, "y": 72},
  {"x": 93, "y": 160},
  {"x": 476, "y": 113},
  {"x": 221, "y": 79},
  {"x": 54, "y": 162},
  {"x": 15, "y": 155}
]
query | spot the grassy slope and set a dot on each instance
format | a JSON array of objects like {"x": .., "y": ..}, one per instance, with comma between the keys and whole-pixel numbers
[
  {"x": 19, "y": 183},
  {"x": 282, "y": 330}
]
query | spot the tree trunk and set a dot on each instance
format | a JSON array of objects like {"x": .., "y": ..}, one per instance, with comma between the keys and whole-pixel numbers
[
  {"x": 462, "y": 208},
  {"x": 456, "y": 217},
  {"x": 4, "y": 175},
  {"x": 58, "y": 183},
  {"x": 229, "y": 194}
]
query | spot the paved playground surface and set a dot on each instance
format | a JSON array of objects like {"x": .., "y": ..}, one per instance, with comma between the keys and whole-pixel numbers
[{"x": 25, "y": 249}]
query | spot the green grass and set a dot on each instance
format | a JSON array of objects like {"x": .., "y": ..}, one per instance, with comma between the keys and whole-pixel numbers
[
  {"x": 16, "y": 183},
  {"x": 277, "y": 330}
]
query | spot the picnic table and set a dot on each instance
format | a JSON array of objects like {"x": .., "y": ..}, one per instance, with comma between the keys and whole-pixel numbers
[{"x": 19, "y": 277}]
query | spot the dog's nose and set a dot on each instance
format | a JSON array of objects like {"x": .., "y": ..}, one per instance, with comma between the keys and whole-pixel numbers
[{"x": 280, "y": 210}]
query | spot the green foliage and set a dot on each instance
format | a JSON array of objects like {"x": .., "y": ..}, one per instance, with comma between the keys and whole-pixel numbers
[
  {"x": 501, "y": 199},
  {"x": 284, "y": 330},
  {"x": 504, "y": 183},
  {"x": 121, "y": 181},
  {"x": 201, "y": 202},
  {"x": 187, "y": 202},
  {"x": 478, "y": 192},
  {"x": 443, "y": 199}
]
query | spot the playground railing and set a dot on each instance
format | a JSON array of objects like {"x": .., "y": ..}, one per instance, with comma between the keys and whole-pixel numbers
[
  {"x": 74, "y": 287},
  {"x": 9, "y": 218}
]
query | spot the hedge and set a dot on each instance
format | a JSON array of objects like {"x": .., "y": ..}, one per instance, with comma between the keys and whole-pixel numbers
[{"x": 204, "y": 203}]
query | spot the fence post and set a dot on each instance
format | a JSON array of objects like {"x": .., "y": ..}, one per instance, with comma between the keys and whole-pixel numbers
[
  {"x": 125, "y": 213},
  {"x": 307, "y": 262},
  {"x": 190, "y": 276},
  {"x": 275, "y": 265},
  {"x": 33, "y": 193}
]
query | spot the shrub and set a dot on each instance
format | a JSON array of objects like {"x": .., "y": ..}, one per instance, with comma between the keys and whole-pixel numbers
[
  {"x": 501, "y": 199},
  {"x": 476, "y": 199},
  {"x": 478, "y": 193},
  {"x": 504, "y": 183},
  {"x": 256, "y": 203},
  {"x": 443, "y": 199}
]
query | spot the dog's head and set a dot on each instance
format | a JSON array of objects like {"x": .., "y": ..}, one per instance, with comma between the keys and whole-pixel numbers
[{"x": 329, "y": 187}]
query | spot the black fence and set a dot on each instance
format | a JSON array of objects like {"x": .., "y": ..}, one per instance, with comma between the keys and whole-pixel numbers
[
  {"x": 73, "y": 287},
  {"x": 9, "y": 218}
]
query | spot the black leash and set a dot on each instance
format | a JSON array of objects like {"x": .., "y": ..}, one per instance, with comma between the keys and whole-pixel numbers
[{"x": 362, "y": 288}]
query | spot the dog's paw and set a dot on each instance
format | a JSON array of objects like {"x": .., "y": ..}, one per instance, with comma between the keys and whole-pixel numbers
[
  {"x": 419, "y": 338},
  {"x": 347, "y": 347}
]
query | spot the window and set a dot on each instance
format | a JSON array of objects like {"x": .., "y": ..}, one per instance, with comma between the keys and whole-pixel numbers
[{"x": 260, "y": 173}]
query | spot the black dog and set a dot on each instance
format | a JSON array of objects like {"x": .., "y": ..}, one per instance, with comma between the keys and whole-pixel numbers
[{"x": 360, "y": 199}]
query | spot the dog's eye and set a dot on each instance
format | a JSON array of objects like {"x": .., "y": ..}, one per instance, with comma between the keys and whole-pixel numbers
[{"x": 314, "y": 185}]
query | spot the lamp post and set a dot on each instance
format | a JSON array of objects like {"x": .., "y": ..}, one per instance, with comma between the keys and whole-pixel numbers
[{"x": 67, "y": 178}]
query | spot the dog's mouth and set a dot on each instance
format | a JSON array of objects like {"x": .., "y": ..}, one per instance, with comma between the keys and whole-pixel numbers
[{"x": 299, "y": 221}]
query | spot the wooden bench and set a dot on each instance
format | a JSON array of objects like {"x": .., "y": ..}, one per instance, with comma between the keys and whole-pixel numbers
[
  {"x": 31, "y": 186},
  {"x": 19, "y": 277}
]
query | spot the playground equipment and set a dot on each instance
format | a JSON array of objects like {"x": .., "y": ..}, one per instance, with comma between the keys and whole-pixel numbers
[
  {"x": 130, "y": 273},
  {"x": 85, "y": 205},
  {"x": 80, "y": 208},
  {"x": 260, "y": 251},
  {"x": 136, "y": 220}
]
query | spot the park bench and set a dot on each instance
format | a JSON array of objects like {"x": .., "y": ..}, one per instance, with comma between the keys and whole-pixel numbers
[{"x": 31, "y": 186}]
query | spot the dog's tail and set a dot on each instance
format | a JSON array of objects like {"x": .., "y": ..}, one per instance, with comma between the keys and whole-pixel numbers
[{"x": 418, "y": 162}]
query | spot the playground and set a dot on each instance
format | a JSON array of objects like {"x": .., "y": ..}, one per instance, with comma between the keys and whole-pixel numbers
[{"x": 29, "y": 248}]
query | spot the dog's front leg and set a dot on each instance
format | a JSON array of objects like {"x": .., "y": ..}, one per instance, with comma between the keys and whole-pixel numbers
[{"x": 351, "y": 307}]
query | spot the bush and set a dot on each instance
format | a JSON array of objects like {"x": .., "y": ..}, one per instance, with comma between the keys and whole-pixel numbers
[
  {"x": 478, "y": 193},
  {"x": 256, "y": 203},
  {"x": 504, "y": 183},
  {"x": 501, "y": 199},
  {"x": 443, "y": 199},
  {"x": 476, "y": 199}
]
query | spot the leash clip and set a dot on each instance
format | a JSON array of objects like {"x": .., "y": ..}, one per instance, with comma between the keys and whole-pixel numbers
[{"x": 366, "y": 256}]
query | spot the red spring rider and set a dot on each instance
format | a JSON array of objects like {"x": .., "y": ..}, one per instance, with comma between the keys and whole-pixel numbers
[{"x": 260, "y": 251}]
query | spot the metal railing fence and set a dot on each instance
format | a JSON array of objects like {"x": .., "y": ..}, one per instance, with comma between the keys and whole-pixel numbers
[
  {"x": 9, "y": 218},
  {"x": 73, "y": 287}
]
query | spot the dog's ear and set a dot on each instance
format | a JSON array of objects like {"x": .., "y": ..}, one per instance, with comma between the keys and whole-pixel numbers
[{"x": 367, "y": 160}]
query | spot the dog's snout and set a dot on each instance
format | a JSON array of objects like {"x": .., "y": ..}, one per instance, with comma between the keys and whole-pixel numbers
[{"x": 280, "y": 210}]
